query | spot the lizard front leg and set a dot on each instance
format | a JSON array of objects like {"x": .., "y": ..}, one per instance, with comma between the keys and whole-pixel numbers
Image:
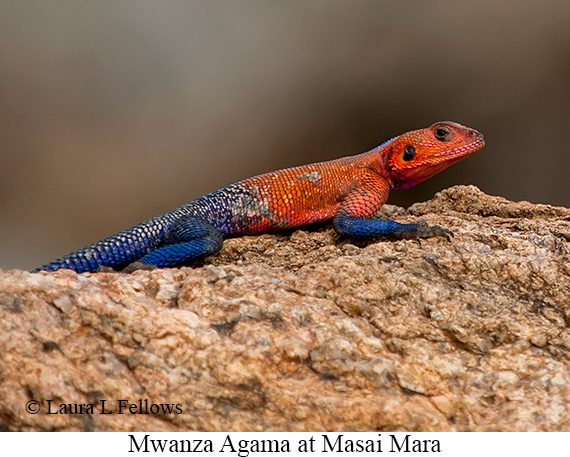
[{"x": 354, "y": 217}]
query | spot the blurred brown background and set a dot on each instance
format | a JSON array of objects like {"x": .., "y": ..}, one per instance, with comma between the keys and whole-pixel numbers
[{"x": 115, "y": 111}]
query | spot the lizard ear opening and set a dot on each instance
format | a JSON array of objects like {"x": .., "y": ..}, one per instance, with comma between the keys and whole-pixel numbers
[{"x": 409, "y": 153}]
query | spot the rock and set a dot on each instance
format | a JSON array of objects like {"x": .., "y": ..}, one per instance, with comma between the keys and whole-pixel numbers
[{"x": 308, "y": 331}]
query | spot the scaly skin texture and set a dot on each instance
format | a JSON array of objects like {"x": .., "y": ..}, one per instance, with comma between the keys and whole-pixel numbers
[{"x": 349, "y": 190}]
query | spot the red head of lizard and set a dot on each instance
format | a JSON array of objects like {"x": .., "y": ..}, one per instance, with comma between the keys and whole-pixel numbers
[{"x": 415, "y": 156}]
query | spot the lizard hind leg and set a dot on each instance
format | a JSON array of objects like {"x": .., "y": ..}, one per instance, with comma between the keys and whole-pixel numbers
[{"x": 190, "y": 238}]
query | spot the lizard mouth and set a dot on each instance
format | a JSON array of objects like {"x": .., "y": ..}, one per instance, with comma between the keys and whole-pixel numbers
[{"x": 465, "y": 149}]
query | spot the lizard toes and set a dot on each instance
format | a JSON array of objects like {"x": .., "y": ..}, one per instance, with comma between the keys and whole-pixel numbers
[{"x": 136, "y": 266}]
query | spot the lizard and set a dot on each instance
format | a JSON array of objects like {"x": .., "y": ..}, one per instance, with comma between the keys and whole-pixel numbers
[{"x": 348, "y": 190}]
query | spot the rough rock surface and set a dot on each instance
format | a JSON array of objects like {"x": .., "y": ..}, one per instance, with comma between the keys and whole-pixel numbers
[{"x": 309, "y": 331}]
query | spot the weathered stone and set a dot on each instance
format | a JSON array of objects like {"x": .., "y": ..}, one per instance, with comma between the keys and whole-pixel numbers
[{"x": 309, "y": 331}]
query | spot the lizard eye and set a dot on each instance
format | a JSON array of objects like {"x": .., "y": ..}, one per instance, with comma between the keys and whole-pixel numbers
[
  {"x": 441, "y": 134},
  {"x": 409, "y": 153}
]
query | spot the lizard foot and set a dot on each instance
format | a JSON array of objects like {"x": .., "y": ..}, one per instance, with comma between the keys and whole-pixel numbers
[
  {"x": 136, "y": 266},
  {"x": 423, "y": 230}
]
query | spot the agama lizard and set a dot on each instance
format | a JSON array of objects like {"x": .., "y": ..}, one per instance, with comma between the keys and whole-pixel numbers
[{"x": 349, "y": 191}]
